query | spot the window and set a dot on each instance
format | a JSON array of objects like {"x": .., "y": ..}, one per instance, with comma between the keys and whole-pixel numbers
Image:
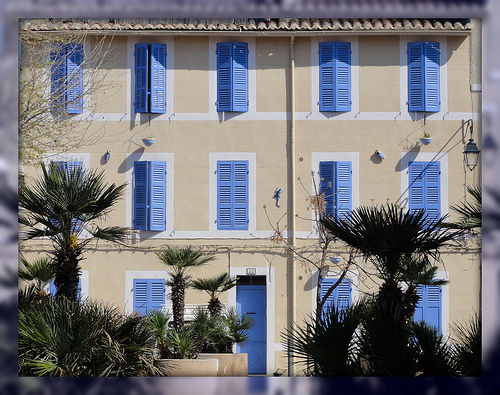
[
  {"x": 149, "y": 195},
  {"x": 232, "y": 77},
  {"x": 340, "y": 296},
  {"x": 69, "y": 166},
  {"x": 232, "y": 195},
  {"x": 429, "y": 306},
  {"x": 150, "y": 78},
  {"x": 67, "y": 78},
  {"x": 336, "y": 183},
  {"x": 149, "y": 294},
  {"x": 53, "y": 288},
  {"x": 424, "y": 188},
  {"x": 423, "y": 76},
  {"x": 335, "y": 76}
]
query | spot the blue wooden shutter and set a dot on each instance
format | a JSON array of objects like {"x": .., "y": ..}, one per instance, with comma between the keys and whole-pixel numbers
[
  {"x": 240, "y": 195},
  {"x": 141, "y": 77},
  {"x": 79, "y": 291},
  {"x": 158, "y": 78},
  {"x": 74, "y": 54},
  {"x": 149, "y": 294},
  {"x": 429, "y": 305},
  {"x": 416, "y": 186},
  {"x": 432, "y": 190},
  {"x": 416, "y": 81},
  {"x": 157, "y": 300},
  {"x": 52, "y": 288},
  {"x": 157, "y": 193},
  {"x": 433, "y": 308},
  {"x": 327, "y": 185},
  {"x": 71, "y": 168},
  {"x": 225, "y": 206},
  {"x": 224, "y": 83},
  {"x": 240, "y": 77},
  {"x": 58, "y": 77},
  {"x": 326, "y": 76},
  {"x": 343, "y": 189},
  {"x": 141, "y": 296},
  {"x": 343, "y": 77},
  {"x": 340, "y": 296},
  {"x": 431, "y": 94},
  {"x": 140, "y": 195},
  {"x": 425, "y": 188}
]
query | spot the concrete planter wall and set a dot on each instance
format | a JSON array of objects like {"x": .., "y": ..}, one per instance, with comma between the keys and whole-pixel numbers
[
  {"x": 191, "y": 367},
  {"x": 229, "y": 364}
]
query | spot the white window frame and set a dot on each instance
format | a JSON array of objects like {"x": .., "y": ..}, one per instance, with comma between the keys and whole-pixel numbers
[
  {"x": 168, "y": 158},
  {"x": 67, "y": 157},
  {"x": 403, "y": 78},
  {"x": 214, "y": 157},
  {"x": 316, "y": 114},
  {"x": 169, "y": 76},
  {"x": 351, "y": 275},
  {"x": 442, "y": 158},
  {"x": 131, "y": 275},
  {"x": 316, "y": 158},
  {"x": 212, "y": 82}
]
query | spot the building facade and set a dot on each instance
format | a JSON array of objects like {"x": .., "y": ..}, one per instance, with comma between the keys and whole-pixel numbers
[{"x": 207, "y": 120}]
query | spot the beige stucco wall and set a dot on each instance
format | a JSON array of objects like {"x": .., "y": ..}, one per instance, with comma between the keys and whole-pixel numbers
[
  {"x": 191, "y": 75},
  {"x": 379, "y": 73}
]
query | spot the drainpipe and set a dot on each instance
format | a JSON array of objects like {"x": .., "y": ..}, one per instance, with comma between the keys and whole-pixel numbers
[{"x": 292, "y": 286}]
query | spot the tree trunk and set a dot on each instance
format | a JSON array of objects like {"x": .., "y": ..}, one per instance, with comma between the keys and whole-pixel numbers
[
  {"x": 178, "y": 297},
  {"x": 67, "y": 274}
]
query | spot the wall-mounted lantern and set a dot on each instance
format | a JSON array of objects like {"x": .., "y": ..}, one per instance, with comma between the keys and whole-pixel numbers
[
  {"x": 107, "y": 156},
  {"x": 471, "y": 152}
]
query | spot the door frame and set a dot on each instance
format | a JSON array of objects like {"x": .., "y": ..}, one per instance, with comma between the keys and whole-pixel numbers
[{"x": 268, "y": 272}]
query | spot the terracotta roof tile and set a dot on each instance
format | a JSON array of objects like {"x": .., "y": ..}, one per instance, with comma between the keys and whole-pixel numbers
[{"x": 283, "y": 24}]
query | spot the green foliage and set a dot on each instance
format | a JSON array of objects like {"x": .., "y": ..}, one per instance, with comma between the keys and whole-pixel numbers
[
  {"x": 466, "y": 348},
  {"x": 470, "y": 213},
  {"x": 158, "y": 323},
  {"x": 434, "y": 355},
  {"x": 205, "y": 333},
  {"x": 60, "y": 206},
  {"x": 61, "y": 338},
  {"x": 181, "y": 260},
  {"x": 381, "y": 339},
  {"x": 39, "y": 273},
  {"x": 214, "y": 286},
  {"x": 388, "y": 236},
  {"x": 327, "y": 347}
]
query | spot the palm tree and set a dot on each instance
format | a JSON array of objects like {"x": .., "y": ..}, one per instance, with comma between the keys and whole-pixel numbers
[
  {"x": 470, "y": 213},
  {"x": 402, "y": 247},
  {"x": 181, "y": 260},
  {"x": 39, "y": 273},
  {"x": 61, "y": 205},
  {"x": 214, "y": 286}
]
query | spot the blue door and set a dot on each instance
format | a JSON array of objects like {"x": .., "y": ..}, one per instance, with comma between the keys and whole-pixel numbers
[{"x": 251, "y": 301}]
